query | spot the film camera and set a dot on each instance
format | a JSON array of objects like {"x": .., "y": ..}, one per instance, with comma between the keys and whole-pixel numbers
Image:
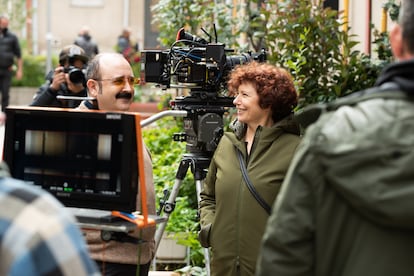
[{"x": 192, "y": 62}]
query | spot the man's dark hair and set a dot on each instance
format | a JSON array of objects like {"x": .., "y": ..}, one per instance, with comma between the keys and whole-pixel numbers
[
  {"x": 406, "y": 20},
  {"x": 70, "y": 53}
]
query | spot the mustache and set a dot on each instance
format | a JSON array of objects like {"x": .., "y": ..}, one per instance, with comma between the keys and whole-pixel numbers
[{"x": 124, "y": 95}]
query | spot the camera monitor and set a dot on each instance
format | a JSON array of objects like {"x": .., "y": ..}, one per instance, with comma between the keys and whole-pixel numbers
[{"x": 86, "y": 159}]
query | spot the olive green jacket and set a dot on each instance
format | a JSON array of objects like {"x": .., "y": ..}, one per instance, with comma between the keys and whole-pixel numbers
[
  {"x": 347, "y": 204},
  {"x": 232, "y": 220}
]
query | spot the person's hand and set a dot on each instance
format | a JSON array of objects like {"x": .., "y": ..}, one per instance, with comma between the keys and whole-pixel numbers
[
  {"x": 19, "y": 74},
  {"x": 58, "y": 78},
  {"x": 2, "y": 118}
]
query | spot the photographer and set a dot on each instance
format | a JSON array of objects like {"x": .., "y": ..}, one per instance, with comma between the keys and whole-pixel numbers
[{"x": 68, "y": 79}]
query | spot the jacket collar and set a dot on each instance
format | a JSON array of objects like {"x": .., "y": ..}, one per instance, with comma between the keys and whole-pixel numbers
[{"x": 400, "y": 73}]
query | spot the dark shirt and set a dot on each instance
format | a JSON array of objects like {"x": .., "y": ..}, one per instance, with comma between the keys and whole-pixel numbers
[
  {"x": 9, "y": 48},
  {"x": 87, "y": 44},
  {"x": 47, "y": 97}
]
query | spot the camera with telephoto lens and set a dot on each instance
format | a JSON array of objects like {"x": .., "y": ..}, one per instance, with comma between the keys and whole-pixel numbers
[
  {"x": 192, "y": 62},
  {"x": 76, "y": 75}
]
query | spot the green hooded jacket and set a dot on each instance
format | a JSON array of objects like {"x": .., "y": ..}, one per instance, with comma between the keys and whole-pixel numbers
[
  {"x": 347, "y": 204},
  {"x": 232, "y": 221}
]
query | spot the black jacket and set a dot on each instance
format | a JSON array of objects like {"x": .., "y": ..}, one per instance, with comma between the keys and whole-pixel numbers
[
  {"x": 47, "y": 97},
  {"x": 9, "y": 48}
]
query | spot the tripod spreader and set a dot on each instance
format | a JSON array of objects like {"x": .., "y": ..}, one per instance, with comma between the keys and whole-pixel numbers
[{"x": 198, "y": 163}]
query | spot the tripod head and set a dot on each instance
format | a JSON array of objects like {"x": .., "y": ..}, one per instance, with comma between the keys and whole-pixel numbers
[{"x": 203, "y": 125}]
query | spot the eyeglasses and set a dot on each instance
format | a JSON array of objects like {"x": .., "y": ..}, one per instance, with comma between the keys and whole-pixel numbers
[{"x": 120, "y": 81}]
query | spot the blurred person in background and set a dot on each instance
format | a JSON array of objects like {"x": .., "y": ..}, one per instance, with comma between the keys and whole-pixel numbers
[
  {"x": 127, "y": 47},
  {"x": 10, "y": 52},
  {"x": 86, "y": 42}
]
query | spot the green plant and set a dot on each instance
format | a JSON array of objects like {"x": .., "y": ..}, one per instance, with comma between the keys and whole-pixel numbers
[
  {"x": 171, "y": 15},
  {"x": 393, "y": 9},
  {"x": 33, "y": 71},
  {"x": 192, "y": 271},
  {"x": 310, "y": 41},
  {"x": 166, "y": 159},
  {"x": 135, "y": 62}
]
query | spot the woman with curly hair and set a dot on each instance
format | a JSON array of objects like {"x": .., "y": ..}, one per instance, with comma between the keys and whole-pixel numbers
[{"x": 264, "y": 139}]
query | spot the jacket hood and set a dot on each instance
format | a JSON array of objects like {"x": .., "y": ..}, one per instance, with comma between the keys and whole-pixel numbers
[
  {"x": 287, "y": 124},
  {"x": 366, "y": 155},
  {"x": 400, "y": 73}
]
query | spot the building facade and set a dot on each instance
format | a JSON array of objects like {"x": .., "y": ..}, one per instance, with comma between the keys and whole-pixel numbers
[{"x": 55, "y": 23}]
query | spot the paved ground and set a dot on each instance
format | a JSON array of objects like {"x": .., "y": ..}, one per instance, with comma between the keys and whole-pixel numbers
[{"x": 18, "y": 96}]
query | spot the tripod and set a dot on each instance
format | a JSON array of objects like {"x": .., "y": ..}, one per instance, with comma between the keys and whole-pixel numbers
[{"x": 198, "y": 164}]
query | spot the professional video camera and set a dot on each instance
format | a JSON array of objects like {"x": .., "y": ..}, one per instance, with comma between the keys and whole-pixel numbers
[{"x": 192, "y": 62}]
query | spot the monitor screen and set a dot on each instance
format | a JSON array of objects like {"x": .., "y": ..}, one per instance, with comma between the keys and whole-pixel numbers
[{"x": 87, "y": 159}]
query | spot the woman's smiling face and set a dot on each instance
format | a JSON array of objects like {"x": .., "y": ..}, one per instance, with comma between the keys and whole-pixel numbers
[{"x": 247, "y": 105}]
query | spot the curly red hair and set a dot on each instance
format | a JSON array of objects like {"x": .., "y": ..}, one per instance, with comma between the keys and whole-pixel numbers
[{"x": 273, "y": 84}]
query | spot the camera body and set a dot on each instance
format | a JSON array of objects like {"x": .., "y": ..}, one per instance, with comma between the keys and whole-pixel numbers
[
  {"x": 76, "y": 75},
  {"x": 199, "y": 67}
]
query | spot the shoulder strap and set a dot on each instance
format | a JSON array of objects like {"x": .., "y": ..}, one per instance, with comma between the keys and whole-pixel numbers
[{"x": 249, "y": 185}]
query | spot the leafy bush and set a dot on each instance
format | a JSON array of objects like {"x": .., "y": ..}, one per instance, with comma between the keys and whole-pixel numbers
[
  {"x": 166, "y": 155},
  {"x": 171, "y": 15},
  {"x": 33, "y": 71},
  {"x": 310, "y": 41}
]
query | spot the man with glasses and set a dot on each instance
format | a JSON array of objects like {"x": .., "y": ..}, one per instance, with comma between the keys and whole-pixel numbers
[
  {"x": 10, "y": 54},
  {"x": 110, "y": 85}
]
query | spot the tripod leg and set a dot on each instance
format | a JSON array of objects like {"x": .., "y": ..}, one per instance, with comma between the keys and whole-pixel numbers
[
  {"x": 168, "y": 208},
  {"x": 199, "y": 184},
  {"x": 170, "y": 203}
]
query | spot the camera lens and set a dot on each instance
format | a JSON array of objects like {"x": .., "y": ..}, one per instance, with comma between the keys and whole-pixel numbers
[{"x": 76, "y": 76}]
